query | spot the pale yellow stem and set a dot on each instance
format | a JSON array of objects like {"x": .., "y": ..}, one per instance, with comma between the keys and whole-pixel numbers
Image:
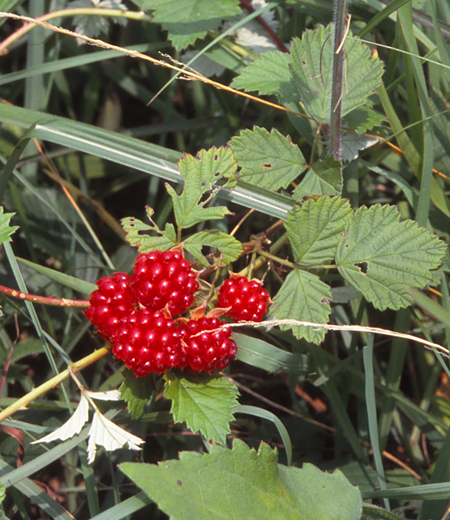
[{"x": 51, "y": 383}]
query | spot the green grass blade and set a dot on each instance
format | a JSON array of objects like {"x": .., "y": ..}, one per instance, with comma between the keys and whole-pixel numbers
[
  {"x": 265, "y": 414},
  {"x": 125, "y": 508},
  {"x": 133, "y": 153},
  {"x": 64, "y": 279},
  {"x": 371, "y": 405}
]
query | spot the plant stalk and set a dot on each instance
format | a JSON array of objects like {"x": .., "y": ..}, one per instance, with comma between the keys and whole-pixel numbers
[
  {"x": 54, "y": 381},
  {"x": 340, "y": 16}
]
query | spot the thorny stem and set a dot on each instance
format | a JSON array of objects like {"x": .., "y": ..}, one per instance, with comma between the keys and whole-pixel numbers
[
  {"x": 54, "y": 381},
  {"x": 340, "y": 12},
  {"x": 93, "y": 11},
  {"x": 46, "y": 300}
]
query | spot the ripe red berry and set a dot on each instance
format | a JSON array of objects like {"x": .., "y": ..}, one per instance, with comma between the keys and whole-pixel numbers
[
  {"x": 164, "y": 278},
  {"x": 207, "y": 346},
  {"x": 112, "y": 301},
  {"x": 247, "y": 299},
  {"x": 147, "y": 342}
]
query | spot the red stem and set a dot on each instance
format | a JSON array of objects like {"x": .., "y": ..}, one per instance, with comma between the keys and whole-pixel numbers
[
  {"x": 276, "y": 40},
  {"x": 46, "y": 300}
]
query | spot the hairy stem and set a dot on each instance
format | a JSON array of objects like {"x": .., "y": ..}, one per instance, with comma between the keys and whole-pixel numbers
[{"x": 340, "y": 15}]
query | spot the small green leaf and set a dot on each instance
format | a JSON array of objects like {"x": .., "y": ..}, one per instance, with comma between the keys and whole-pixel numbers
[
  {"x": 260, "y": 354},
  {"x": 164, "y": 239},
  {"x": 324, "y": 178},
  {"x": 363, "y": 119},
  {"x": 304, "y": 297},
  {"x": 136, "y": 392},
  {"x": 383, "y": 257},
  {"x": 229, "y": 248},
  {"x": 2, "y": 493},
  {"x": 268, "y": 75},
  {"x": 315, "y": 228},
  {"x": 205, "y": 403},
  {"x": 5, "y": 229},
  {"x": 312, "y": 62},
  {"x": 242, "y": 484},
  {"x": 188, "y": 20},
  {"x": 268, "y": 159},
  {"x": 201, "y": 174}
]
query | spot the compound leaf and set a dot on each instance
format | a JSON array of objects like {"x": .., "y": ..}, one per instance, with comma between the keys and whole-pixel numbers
[
  {"x": 205, "y": 403},
  {"x": 5, "y": 229},
  {"x": 324, "y": 178},
  {"x": 315, "y": 228},
  {"x": 269, "y": 74},
  {"x": 383, "y": 257},
  {"x": 201, "y": 174},
  {"x": 267, "y": 159},
  {"x": 244, "y": 484},
  {"x": 188, "y": 20},
  {"x": 230, "y": 249},
  {"x": 312, "y": 63},
  {"x": 304, "y": 297}
]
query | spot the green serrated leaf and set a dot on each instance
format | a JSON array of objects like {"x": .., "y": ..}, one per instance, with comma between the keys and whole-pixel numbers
[
  {"x": 363, "y": 119},
  {"x": 189, "y": 20},
  {"x": 268, "y": 75},
  {"x": 136, "y": 392},
  {"x": 304, "y": 297},
  {"x": 314, "y": 229},
  {"x": 266, "y": 158},
  {"x": 323, "y": 496},
  {"x": 312, "y": 61},
  {"x": 261, "y": 354},
  {"x": 5, "y": 229},
  {"x": 205, "y": 403},
  {"x": 201, "y": 174},
  {"x": 383, "y": 257},
  {"x": 242, "y": 484},
  {"x": 230, "y": 249},
  {"x": 165, "y": 239},
  {"x": 324, "y": 178}
]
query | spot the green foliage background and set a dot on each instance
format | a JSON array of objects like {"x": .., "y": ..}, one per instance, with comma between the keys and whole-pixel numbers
[{"x": 362, "y": 241}]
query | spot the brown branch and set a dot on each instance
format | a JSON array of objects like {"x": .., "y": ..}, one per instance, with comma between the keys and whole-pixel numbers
[{"x": 45, "y": 300}]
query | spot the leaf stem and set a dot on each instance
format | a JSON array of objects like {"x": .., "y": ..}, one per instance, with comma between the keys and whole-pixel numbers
[
  {"x": 54, "y": 381},
  {"x": 45, "y": 300}
]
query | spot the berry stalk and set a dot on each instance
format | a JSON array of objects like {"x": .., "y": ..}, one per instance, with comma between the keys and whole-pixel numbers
[{"x": 51, "y": 383}]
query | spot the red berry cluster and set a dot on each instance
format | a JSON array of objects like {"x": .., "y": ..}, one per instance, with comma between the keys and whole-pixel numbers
[
  {"x": 246, "y": 299},
  {"x": 136, "y": 314}
]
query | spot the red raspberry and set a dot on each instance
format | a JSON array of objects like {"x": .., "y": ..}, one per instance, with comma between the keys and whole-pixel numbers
[
  {"x": 164, "y": 278},
  {"x": 206, "y": 351},
  {"x": 112, "y": 301},
  {"x": 247, "y": 299},
  {"x": 147, "y": 342}
]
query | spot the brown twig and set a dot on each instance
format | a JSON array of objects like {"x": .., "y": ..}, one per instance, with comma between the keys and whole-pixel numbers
[{"x": 45, "y": 300}]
